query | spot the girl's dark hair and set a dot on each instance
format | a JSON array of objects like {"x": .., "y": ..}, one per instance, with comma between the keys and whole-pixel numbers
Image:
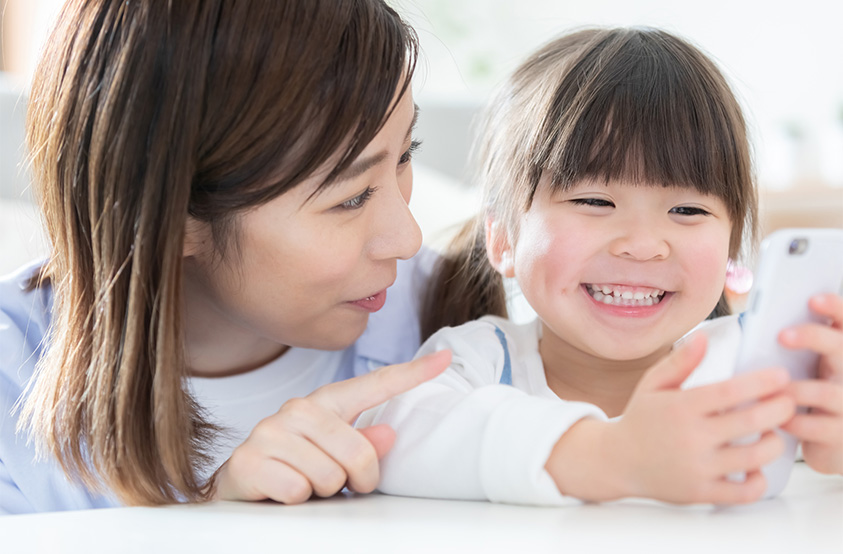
[
  {"x": 142, "y": 113},
  {"x": 639, "y": 105}
]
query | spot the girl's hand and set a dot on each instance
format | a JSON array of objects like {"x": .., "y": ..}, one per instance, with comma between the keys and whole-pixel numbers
[
  {"x": 821, "y": 429},
  {"x": 677, "y": 445},
  {"x": 309, "y": 446}
]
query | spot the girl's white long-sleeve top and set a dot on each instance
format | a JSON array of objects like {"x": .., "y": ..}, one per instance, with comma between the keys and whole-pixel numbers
[{"x": 484, "y": 429}]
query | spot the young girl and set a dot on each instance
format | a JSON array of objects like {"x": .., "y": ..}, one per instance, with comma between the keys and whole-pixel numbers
[
  {"x": 617, "y": 178},
  {"x": 225, "y": 186}
]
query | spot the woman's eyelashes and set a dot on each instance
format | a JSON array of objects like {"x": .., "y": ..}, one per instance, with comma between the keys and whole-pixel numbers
[
  {"x": 358, "y": 201},
  {"x": 407, "y": 156}
]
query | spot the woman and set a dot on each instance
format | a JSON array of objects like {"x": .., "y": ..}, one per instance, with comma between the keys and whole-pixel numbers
[{"x": 225, "y": 186}]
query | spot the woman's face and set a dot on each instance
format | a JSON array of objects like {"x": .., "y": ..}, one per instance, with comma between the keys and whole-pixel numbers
[{"x": 311, "y": 267}]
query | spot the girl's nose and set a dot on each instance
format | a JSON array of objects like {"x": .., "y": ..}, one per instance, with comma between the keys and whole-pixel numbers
[{"x": 641, "y": 241}]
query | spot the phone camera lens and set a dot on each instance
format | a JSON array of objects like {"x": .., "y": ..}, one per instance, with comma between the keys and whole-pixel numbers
[{"x": 798, "y": 246}]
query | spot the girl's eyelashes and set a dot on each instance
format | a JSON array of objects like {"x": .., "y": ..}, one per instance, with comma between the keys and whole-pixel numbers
[
  {"x": 593, "y": 202},
  {"x": 358, "y": 201},
  {"x": 408, "y": 154},
  {"x": 689, "y": 211}
]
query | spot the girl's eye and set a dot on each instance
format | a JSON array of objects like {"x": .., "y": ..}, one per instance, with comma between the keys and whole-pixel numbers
[
  {"x": 593, "y": 202},
  {"x": 408, "y": 154},
  {"x": 358, "y": 201},
  {"x": 689, "y": 210}
]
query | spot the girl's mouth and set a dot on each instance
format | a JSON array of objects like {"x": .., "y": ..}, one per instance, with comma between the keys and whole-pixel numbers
[{"x": 619, "y": 295}]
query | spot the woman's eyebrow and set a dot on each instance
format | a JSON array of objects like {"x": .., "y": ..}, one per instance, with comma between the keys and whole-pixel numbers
[{"x": 362, "y": 165}]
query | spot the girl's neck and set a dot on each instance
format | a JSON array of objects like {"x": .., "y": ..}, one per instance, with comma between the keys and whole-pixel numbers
[{"x": 580, "y": 376}]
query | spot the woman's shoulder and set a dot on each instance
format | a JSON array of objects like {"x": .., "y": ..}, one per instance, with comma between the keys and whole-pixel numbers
[{"x": 24, "y": 320}]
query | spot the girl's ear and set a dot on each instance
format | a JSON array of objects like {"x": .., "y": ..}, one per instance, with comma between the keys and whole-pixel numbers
[
  {"x": 499, "y": 249},
  {"x": 197, "y": 237}
]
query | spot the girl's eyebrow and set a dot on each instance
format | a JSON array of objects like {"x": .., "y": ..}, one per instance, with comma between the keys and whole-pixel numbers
[{"x": 362, "y": 165}]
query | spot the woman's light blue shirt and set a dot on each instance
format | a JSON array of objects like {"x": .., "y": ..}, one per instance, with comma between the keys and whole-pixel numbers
[{"x": 31, "y": 485}]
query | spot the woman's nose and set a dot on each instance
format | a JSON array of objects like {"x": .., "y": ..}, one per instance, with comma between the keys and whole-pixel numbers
[{"x": 399, "y": 235}]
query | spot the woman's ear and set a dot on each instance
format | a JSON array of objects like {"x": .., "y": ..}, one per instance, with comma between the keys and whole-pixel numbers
[
  {"x": 499, "y": 249},
  {"x": 197, "y": 237}
]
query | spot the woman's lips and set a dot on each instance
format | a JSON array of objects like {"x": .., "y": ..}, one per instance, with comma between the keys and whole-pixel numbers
[{"x": 371, "y": 303}]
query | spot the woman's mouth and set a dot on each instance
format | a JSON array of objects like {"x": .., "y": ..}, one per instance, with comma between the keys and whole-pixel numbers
[
  {"x": 371, "y": 303},
  {"x": 622, "y": 295}
]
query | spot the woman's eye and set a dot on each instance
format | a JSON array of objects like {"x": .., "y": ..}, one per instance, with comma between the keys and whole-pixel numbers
[
  {"x": 358, "y": 201},
  {"x": 408, "y": 154},
  {"x": 593, "y": 202},
  {"x": 689, "y": 210}
]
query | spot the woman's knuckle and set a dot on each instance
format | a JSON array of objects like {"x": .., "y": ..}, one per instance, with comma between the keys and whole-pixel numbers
[
  {"x": 361, "y": 457},
  {"x": 295, "y": 490},
  {"x": 331, "y": 482},
  {"x": 296, "y": 406}
]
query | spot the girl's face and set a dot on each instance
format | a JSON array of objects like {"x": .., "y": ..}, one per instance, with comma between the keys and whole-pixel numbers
[
  {"x": 619, "y": 272},
  {"x": 311, "y": 269}
]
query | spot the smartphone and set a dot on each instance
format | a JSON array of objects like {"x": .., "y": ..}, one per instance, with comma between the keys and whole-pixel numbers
[{"x": 794, "y": 265}]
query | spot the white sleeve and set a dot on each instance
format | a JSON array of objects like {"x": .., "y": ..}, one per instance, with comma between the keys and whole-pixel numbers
[{"x": 464, "y": 436}]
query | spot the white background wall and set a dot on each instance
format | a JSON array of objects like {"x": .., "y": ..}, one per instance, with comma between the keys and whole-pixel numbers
[{"x": 785, "y": 60}]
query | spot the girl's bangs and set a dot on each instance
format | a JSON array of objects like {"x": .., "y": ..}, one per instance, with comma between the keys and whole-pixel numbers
[{"x": 645, "y": 109}]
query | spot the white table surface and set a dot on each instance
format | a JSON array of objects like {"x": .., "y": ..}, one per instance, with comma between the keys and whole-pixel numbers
[{"x": 806, "y": 518}]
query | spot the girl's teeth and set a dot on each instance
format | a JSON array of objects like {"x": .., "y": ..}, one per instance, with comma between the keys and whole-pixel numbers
[{"x": 607, "y": 295}]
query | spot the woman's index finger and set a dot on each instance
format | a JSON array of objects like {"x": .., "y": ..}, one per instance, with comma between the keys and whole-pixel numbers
[{"x": 351, "y": 397}]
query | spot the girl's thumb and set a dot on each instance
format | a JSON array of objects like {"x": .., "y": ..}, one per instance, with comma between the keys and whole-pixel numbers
[{"x": 674, "y": 368}]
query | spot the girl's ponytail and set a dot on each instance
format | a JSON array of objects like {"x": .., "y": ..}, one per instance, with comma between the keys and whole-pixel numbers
[{"x": 464, "y": 285}]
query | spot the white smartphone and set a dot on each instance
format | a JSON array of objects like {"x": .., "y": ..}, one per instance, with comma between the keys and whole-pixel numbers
[{"x": 794, "y": 265}]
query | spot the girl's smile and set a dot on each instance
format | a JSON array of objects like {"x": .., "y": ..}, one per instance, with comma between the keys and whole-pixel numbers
[
  {"x": 624, "y": 295},
  {"x": 621, "y": 271}
]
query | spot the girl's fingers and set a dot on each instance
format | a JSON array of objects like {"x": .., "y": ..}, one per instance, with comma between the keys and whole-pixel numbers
[
  {"x": 672, "y": 370},
  {"x": 757, "y": 417},
  {"x": 739, "y": 390},
  {"x": 725, "y": 492},
  {"x": 750, "y": 457},
  {"x": 830, "y": 306},
  {"x": 816, "y": 427},
  {"x": 818, "y": 395},
  {"x": 822, "y": 339}
]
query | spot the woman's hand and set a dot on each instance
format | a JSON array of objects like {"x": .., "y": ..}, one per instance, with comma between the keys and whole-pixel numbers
[
  {"x": 678, "y": 445},
  {"x": 309, "y": 447},
  {"x": 821, "y": 429}
]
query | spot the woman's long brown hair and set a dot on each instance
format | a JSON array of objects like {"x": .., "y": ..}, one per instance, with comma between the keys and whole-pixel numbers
[
  {"x": 635, "y": 104},
  {"x": 143, "y": 112}
]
